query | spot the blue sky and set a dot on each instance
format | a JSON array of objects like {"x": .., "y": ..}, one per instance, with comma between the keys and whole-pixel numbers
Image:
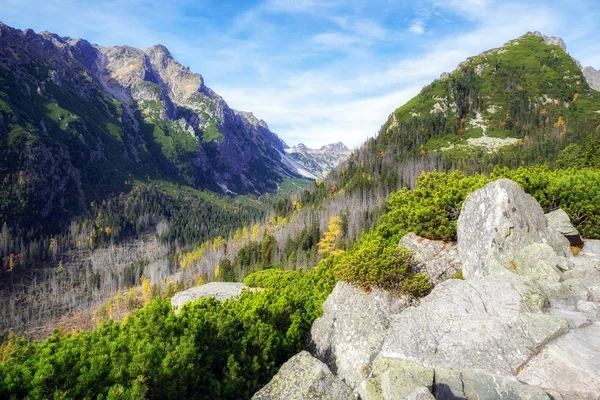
[{"x": 318, "y": 71}]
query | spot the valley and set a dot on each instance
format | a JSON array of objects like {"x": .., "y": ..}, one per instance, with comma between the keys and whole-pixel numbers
[{"x": 126, "y": 180}]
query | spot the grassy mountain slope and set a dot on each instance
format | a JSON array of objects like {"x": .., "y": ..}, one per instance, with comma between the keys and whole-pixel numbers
[{"x": 516, "y": 105}]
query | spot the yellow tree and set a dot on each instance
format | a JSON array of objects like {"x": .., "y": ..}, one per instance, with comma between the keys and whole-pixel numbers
[
  {"x": 218, "y": 242},
  {"x": 237, "y": 236},
  {"x": 255, "y": 232},
  {"x": 146, "y": 290},
  {"x": 330, "y": 239},
  {"x": 297, "y": 205}
]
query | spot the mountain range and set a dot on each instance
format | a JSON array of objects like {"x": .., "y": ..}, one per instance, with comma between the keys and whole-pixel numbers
[
  {"x": 319, "y": 161},
  {"x": 81, "y": 122}
]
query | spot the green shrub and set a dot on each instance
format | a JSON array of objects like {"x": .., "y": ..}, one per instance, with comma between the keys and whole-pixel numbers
[
  {"x": 210, "y": 350},
  {"x": 432, "y": 209},
  {"x": 376, "y": 262}
]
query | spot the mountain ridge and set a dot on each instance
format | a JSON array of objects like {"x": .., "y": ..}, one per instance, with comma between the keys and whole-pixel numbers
[
  {"x": 514, "y": 105},
  {"x": 319, "y": 162}
]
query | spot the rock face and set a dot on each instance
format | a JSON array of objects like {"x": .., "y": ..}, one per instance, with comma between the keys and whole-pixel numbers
[
  {"x": 570, "y": 364},
  {"x": 591, "y": 248},
  {"x": 304, "y": 377},
  {"x": 393, "y": 379},
  {"x": 592, "y": 76},
  {"x": 439, "y": 259},
  {"x": 495, "y": 223},
  {"x": 476, "y": 384},
  {"x": 320, "y": 161},
  {"x": 218, "y": 290},
  {"x": 560, "y": 222},
  {"x": 527, "y": 328},
  {"x": 499, "y": 317},
  {"x": 351, "y": 331}
]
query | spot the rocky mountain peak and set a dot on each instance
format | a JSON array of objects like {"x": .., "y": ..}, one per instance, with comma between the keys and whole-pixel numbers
[
  {"x": 337, "y": 147},
  {"x": 320, "y": 161},
  {"x": 160, "y": 50},
  {"x": 251, "y": 119},
  {"x": 550, "y": 40},
  {"x": 300, "y": 147}
]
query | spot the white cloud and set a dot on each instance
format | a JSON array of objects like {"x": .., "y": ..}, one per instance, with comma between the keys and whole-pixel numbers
[{"x": 417, "y": 27}]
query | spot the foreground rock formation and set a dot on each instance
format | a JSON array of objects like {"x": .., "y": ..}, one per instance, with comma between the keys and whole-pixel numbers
[{"x": 524, "y": 324}]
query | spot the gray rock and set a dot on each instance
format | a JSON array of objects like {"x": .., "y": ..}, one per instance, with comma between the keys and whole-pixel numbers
[
  {"x": 350, "y": 333},
  {"x": 304, "y": 377},
  {"x": 587, "y": 272},
  {"x": 540, "y": 262},
  {"x": 592, "y": 76},
  {"x": 394, "y": 379},
  {"x": 453, "y": 384},
  {"x": 495, "y": 223},
  {"x": 439, "y": 259},
  {"x": 565, "y": 295},
  {"x": 559, "y": 221},
  {"x": 218, "y": 290},
  {"x": 576, "y": 319},
  {"x": 494, "y": 324},
  {"x": 591, "y": 248},
  {"x": 570, "y": 365},
  {"x": 421, "y": 393}
]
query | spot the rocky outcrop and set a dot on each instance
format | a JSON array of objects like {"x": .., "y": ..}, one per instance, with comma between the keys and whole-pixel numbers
[
  {"x": 453, "y": 384},
  {"x": 217, "y": 290},
  {"x": 498, "y": 221},
  {"x": 351, "y": 331},
  {"x": 592, "y": 76},
  {"x": 540, "y": 262},
  {"x": 304, "y": 377},
  {"x": 559, "y": 221},
  {"x": 525, "y": 324},
  {"x": 439, "y": 259},
  {"x": 494, "y": 324},
  {"x": 570, "y": 365},
  {"x": 393, "y": 379}
]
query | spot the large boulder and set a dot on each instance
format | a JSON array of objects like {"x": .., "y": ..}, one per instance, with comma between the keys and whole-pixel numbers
[
  {"x": 498, "y": 221},
  {"x": 350, "y": 333},
  {"x": 217, "y": 290},
  {"x": 570, "y": 365},
  {"x": 304, "y": 377},
  {"x": 439, "y": 259},
  {"x": 453, "y": 384},
  {"x": 559, "y": 221},
  {"x": 494, "y": 324}
]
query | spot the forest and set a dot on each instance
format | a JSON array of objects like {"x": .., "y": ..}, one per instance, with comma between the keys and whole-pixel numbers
[{"x": 229, "y": 350}]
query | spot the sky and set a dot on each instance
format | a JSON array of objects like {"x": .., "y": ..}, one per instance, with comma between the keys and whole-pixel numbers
[{"x": 317, "y": 71}]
